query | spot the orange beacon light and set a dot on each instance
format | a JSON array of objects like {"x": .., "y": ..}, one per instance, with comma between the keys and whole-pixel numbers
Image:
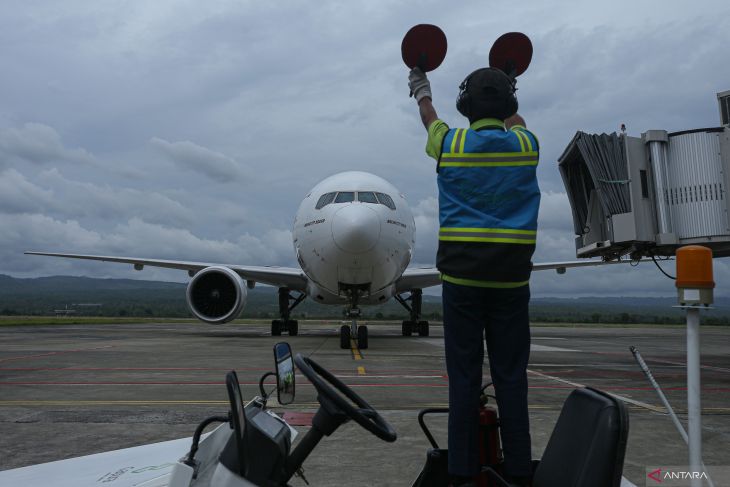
[{"x": 694, "y": 275}]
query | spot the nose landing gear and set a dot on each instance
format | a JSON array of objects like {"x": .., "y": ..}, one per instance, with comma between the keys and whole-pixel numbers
[{"x": 354, "y": 331}]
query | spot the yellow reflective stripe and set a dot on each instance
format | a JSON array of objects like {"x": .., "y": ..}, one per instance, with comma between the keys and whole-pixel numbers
[
  {"x": 493, "y": 230},
  {"x": 478, "y": 283},
  {"x": 524, "y": 137},
  {"x": 445, "y": 238},
  {"x": 489, "y": 164},
  {"x": 493, "y": 235},
  {"x": 522, "y": 142},
  {"x": 463, "y": 141},
  {"x": 455, "y": 140},
  {"x": 529, "y": 142},
  {"x": 492, "y": 155}
]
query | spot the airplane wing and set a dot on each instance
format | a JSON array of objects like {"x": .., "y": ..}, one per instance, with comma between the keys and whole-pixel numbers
[
  {"x": 276, "y": 276},
  {"x": 423, "y": 277}
]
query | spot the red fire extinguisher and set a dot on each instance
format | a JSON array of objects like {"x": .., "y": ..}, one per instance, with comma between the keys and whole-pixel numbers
[{"x": 490, "y": 449}]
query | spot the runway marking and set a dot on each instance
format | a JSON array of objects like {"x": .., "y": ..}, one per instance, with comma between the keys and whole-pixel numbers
[
  {"x": 355, "y": 351},
  {"x": 545, "y": 348},
  {"x": 671, "y": 362},
  {"x": 533, "y": 347},
  {"x": 130, "y": 369},
  {"x": 568, "y": 385},
  {"x": 596, "y": 366},
  {"x": 623, "y": 398},
  {"x": 361, "y": 370},
  {"x": 140, "y": 402},
  {"x": 9, "y": 359},
  {"x": 371, "y": 376},
  {"x": 300, "y": 405}
]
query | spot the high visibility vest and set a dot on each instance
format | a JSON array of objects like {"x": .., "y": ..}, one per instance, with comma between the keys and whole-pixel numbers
[{"x": 488, "y": 204}]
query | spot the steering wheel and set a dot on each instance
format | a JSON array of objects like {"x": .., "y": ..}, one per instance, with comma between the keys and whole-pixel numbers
[{"x": 363, "y": 414}]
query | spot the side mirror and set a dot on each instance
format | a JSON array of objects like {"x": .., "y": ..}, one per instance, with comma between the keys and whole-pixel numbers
[{"x": 284, "y": 373}]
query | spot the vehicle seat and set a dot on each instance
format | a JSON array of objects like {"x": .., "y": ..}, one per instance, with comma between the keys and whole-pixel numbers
[
  {"x": 588, "y": 443},
  {"x": 436, "y": 471}
]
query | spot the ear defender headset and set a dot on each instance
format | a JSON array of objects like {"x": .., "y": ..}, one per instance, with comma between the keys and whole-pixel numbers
[{"x": 494, "y": 98}]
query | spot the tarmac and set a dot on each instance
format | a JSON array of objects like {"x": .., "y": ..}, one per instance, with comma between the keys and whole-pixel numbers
[{"x": 74, "y": 390}]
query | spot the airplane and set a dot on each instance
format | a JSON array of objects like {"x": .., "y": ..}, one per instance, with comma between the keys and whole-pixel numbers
[{"x": 353, "y": 235}]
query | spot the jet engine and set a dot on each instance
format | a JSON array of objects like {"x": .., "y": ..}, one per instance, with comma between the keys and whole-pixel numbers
[{"x": 216, "y": 295}]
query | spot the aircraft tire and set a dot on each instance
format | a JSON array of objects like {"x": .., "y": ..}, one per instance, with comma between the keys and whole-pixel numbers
[
  {"x": 293, "y": 327},
  {"x": 362, "y": 337},
  {"x": 407, "y": 328},
  {"x": 276, "y": 328},
  {"x": 423, "y": 328},
  {"x": 344, "y": 337}
]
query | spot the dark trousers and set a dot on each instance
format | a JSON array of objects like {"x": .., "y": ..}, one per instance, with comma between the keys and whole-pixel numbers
[{"x": 502, "y": 316}]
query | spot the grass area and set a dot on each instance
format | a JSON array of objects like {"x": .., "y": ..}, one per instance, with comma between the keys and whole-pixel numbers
[
  {"x": 120, "y": 320},
  {"x": 84, "y": 320}
]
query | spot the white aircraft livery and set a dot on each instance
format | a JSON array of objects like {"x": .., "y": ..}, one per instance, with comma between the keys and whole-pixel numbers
[{"x": 353, "y": 235}]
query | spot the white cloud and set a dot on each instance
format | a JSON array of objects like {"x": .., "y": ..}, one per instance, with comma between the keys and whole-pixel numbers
[
  {"x": 135, "y": 238},
  {"x": 39, "y": 144},
  {"x": 90, "y": 200},
  {"x": 18, "y": 195},
  {"x": 215, "y": 165}
]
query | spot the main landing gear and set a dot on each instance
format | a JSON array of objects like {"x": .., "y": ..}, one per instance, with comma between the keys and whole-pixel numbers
[
  {"x": 285, "y": 309},
  {"x": 414, "y": 324},
  {"x": 353, "y": 331}
]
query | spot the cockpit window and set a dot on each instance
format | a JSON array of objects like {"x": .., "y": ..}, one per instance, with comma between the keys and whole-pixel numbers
[
  {"x": 350, "y": 196},
  {"x": 386, "y": 200},
  {"x": 325, "y": 200},
  {"x": 345, "y": 197},
  {"x": 366, "y": 197}
]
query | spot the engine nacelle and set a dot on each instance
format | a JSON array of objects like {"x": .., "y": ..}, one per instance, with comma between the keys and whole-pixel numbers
[{"x": 216, "y": 295}]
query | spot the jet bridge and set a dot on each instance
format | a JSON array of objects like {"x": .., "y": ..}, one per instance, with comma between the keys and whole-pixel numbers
[{"x": 649, "y": 195}]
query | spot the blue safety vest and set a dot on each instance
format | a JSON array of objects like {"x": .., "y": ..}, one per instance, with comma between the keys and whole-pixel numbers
[{"x": 488, "y": 204}]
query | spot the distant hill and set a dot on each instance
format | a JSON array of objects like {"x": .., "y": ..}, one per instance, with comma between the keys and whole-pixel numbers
[{"x": 131, "y": 297}]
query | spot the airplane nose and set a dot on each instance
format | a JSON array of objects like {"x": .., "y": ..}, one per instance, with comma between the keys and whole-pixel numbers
[{"x": 355, "y": 228}]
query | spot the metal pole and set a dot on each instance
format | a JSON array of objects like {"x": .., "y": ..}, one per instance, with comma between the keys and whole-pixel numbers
[
  {"x": 660, "y": 393},
  {"x": 665, "y": 401},
  {"x": 694, "y": 410}
]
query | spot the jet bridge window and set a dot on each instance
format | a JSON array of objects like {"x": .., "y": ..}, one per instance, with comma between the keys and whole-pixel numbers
[
  {"x": 345, "y": 197},
  {"x": 367, "y": 197},
  {"x": 385, "y": 200},
  {"x": 325, "y": 200}
]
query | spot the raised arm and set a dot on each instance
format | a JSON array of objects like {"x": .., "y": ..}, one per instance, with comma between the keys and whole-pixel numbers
[
  {"x": 421, "y": 91},
  {"x": 515, "y": 119},
  {"x": 427, "y": 111}
]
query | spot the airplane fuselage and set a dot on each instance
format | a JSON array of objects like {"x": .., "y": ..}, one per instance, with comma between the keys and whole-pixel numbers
[{"x": 353, "y": 236}]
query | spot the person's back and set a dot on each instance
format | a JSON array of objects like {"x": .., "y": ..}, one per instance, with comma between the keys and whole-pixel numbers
[
  {"x": 488, "y": 206},
  {"x": 488, "y": 200}
]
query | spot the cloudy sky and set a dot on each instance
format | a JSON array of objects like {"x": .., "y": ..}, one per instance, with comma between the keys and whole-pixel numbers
[{"x": 192, "y": 130}]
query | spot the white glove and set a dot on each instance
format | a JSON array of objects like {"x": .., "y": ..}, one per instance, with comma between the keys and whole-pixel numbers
[{"x": 419, "y": 84}]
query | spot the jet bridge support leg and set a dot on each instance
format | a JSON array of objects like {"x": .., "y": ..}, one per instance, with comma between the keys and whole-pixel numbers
[
  {"x": 285, "y": 309},
  {"x": 414, "y": 324}
]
